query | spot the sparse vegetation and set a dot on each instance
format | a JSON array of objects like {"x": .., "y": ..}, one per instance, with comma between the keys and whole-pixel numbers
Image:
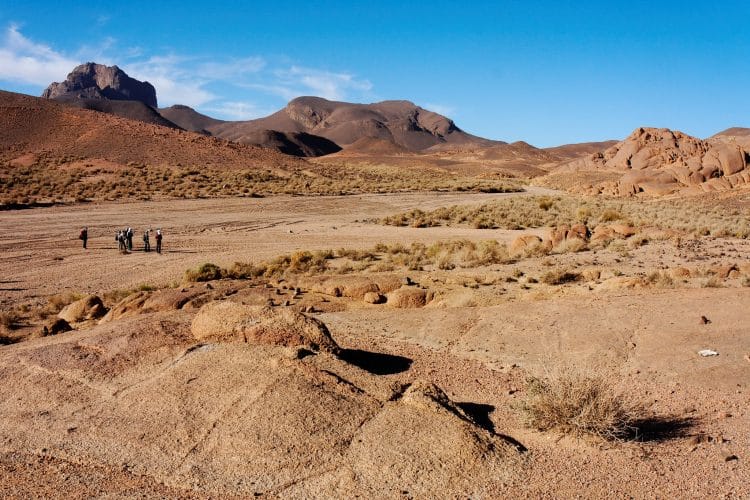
[
  {"x": 580, "y": 403},
  {"x": 534, "y": 211},
  {"x": 205, "y": 272},
  {"x": 9, "y": 320},
  {"x": 57, "y": 179},
  {"x": 559, "y": 277}
]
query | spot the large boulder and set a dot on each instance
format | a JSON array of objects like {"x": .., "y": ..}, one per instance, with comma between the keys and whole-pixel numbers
[
  {"x": 409, "y": 437},
  {"x": 564, "y": 233},
  {"x": 97, "y": 81},
  {"x": 227, "y": 321},
  {"x": 168, "y": 299},
  {"x": 408, "y": 297},
  {"x": 87, "y": 308},
  {"x": 525, "y": 243},
  {"x": 55, "y": 326}
]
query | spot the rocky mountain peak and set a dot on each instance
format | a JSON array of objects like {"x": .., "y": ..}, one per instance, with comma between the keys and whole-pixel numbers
[{"x": 97, "y": 81}]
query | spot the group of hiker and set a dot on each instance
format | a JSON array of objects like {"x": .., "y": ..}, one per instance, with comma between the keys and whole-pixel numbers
[{"x": 124, "y": 239}]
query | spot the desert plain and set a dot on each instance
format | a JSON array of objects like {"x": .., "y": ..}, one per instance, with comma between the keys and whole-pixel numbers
[
  {"x": 421, "y": 315},
  {"x": 139, "y": 405}
]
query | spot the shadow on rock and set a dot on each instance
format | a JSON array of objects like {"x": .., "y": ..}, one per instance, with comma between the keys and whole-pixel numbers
[
  {"x": 480, "y": 414},
  {"x": 375, "y": 362}
]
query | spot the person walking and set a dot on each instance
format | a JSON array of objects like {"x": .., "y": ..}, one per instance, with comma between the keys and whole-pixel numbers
[
  {"x": 84, "y": 236},
  {"x": 121, "y": 242},
  {"x": 158, "y": 240},
  {"x": 146, "y": 241},
  {"x": 129, "y": 237}
]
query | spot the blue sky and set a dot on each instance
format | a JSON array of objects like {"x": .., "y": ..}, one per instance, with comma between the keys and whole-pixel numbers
[{"x": 546, "y": 72}]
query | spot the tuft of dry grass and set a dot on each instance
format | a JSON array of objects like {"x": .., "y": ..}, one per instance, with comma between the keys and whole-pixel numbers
[
  {"x": 713, "y": 282},
  {"x": 9, "y": 320},
  {"x": 576, "y": 402},
  {"x": 660, "y": 279},
  {"x": 559, "y": 277}
]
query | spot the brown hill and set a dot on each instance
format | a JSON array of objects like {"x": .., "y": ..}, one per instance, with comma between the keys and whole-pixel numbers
[
  {"x": 662, "y": 161},
  {"x": 400, "y": 122},
  {"x": 188, "y": 118},
  {"x": 374, "y": 146},
  {"x": 573, "y": 151},
  {"x": 132, "y": 110},
  {"x": 735, "y": 135},
  {"x": 33, "y": 125}
]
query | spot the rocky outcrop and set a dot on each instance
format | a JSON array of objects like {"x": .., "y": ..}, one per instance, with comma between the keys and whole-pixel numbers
[
  {"x": 661, "y": 161},
  {"x": 87, "y": 308},
  {"x": 233, "y": 322},
  {"x": 525, "y": 243},
  {"x": 408, "y": 297},
  {"x": 96, "y": 81},
  {"x": 55, "y": 327}
]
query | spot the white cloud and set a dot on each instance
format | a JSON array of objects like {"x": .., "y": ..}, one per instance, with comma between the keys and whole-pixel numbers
[
  {"x": 102, "y": 20},
  {"x": 321, "y": 83},
  {"x": 173, "y": 81},
  {"x": 440, "y": 109},
  {"x": 229, "y": 69},
  {"x": 237, "y": 110},
  {"x": 279, "y": 90},
  {"x": 195, "y": 81},
  {"x": 24, "y": 61}
]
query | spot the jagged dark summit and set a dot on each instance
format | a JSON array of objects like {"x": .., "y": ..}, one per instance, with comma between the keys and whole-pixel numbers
[{"x": 97, "y": 81}]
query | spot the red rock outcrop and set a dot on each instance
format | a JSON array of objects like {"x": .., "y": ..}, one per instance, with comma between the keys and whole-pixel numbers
[{"x": 662, "y": 161}]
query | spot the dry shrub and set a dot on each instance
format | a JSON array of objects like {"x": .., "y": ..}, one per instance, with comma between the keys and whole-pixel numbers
[
  {"x": 577, "y": 402},
  {"x": 572, "y": 245},
  {"x": 58, "y": 301},
  {"x": 713, "y": 282},
  {"x": 9, "y": 320},
  {"x": 638, "y": 240},
  {"x": 559, "y": 277},
  {"x": 355, "y": 255},
  {"x": 115, "y": 296},
  {"x": 610, "y": 215},
  {"x": 660, "y": 279},
  {"x": 205, "y": 272},
  {"x": 545, "y": 203}
]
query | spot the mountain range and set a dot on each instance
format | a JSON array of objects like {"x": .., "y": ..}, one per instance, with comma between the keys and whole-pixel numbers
[{"x": 651, "y": 160}]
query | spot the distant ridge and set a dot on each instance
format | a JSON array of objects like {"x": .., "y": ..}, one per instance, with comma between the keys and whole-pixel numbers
[{"x": 402, "y": 123}]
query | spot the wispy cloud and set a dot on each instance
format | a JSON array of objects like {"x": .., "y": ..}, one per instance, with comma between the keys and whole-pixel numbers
[
  {"x": 236, "y": 110},
  {"x": 218, "y": 85},
  {"x": 229, "y": 69},
  {"x": 25, "y": 61},
  {"x": 322, "y": 83},
  {"x": 441, "y": 109},
  {"x": 102, "y": 20},
  {"x": 174, "y": 83}
]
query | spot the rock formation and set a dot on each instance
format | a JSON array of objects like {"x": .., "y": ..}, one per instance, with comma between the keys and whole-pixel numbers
[
  {"x": 96, "y": 81},
  {"x": 662, "y": 161}
]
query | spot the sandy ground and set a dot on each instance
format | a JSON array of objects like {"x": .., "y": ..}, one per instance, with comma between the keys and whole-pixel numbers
[
  {"x": 41, "y": 255},
  {"x": 480, "y": 354}
]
